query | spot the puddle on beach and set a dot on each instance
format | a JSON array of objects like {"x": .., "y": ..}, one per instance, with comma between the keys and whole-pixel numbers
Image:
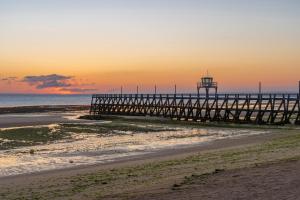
[{"x": 86, "y": 149}]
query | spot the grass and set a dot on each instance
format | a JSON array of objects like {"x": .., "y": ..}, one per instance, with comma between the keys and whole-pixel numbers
[{"x": 121, "y": 182}]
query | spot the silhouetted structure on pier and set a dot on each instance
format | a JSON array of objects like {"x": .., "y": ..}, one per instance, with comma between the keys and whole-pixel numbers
[
  {"x": 238, "y": 108},
  {"x": 207, "y": 83}
]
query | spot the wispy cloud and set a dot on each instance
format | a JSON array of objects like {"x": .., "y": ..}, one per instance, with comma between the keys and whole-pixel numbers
[
  {"x": 9, "y": 80},
  {"x": 60, "y": 82},
  {"x": 48, "y": 81},
  {"x": 78, "y": 90}
]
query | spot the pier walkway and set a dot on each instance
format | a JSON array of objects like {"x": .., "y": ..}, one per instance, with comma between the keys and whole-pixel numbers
[{"x": 237, "y": 108}]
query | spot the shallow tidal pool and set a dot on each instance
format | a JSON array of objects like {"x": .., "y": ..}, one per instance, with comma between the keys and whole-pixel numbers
[{"x": 56, "y": 146}]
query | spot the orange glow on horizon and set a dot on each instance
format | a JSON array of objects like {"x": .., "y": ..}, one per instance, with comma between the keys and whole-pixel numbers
[{"x": 105, "y": 45}]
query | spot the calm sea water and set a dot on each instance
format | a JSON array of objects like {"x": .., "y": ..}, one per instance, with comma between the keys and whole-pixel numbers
[{"x": 10, "y": 100}]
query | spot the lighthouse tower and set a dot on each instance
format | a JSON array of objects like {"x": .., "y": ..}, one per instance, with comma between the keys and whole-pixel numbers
[{"x": 207, "y": 83}]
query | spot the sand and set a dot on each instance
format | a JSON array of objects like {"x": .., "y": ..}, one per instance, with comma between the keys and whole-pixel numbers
[
  {"x": 270, "y": 181},
  {"x": 38, "y": 115},
  {"x": 162, "y": 155},
  {"x": 232, "y": 184},
  {"x": 43, "y": 109},
  {"x": 250, "y": 167}
]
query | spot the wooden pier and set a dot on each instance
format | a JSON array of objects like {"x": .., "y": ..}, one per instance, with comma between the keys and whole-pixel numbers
[{"x": 237, "y": 108}]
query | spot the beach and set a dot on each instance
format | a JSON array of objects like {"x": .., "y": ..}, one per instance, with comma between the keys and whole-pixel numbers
[
  {"x": 212, "y": 162},
  {"x": 149, "y": 100}
]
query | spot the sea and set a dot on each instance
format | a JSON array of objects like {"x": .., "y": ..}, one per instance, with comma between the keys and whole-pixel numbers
[{"x": 14, "y": 100}]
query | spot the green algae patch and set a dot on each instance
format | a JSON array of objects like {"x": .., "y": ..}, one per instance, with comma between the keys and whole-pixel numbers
[
  {"x": 29, "y": 136},
  {"x": 36, "y": 135}
]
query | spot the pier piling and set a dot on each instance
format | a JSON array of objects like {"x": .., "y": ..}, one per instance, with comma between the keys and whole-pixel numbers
[{"x": 237, "y": 108}]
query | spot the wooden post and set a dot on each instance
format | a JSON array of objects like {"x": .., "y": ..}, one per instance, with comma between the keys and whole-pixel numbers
[
  {"x": 207, "y": 92},
  {"x": 155, "y": 89},
  {"x": 299, "y": 89},
  {"x": 273, "y": 108},
  {"x": 259, "y": 87},
  {"x": 298, "y": 116},
  {"x": 259, "y": 118},
  {"x": 92, "y": 104}
]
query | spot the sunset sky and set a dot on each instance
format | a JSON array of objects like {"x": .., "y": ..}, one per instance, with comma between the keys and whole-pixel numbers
[{"x": 89, "y": 46}]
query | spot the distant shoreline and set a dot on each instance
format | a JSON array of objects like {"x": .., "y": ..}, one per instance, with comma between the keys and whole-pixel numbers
[
  {"x": 43, "y": 109},
  {"x": 39, "y": 115}
]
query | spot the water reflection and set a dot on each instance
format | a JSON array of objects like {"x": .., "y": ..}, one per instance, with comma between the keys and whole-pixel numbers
[{"x": 84, "y": 149}]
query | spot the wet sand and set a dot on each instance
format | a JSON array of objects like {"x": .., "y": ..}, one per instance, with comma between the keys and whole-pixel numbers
[
  {"x": 159, "y": 191},
  {"x": 161, "y": 155},
  {"x": 86, "y": 147},
  {"x": 38, "y": 115},
  {"x": 275, "y": 177},
  {"x": 43, "y": 109},
  {"x": 17, "y": 120}
]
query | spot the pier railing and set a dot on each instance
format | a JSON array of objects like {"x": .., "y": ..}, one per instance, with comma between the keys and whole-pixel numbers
[{"x": 283, "y": 108}]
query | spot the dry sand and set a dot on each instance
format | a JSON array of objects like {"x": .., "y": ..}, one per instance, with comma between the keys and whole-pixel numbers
[{"x": 270, "y": 181}]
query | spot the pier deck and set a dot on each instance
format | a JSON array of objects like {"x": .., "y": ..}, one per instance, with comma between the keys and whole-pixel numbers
[{"x": 237, "y": 108}]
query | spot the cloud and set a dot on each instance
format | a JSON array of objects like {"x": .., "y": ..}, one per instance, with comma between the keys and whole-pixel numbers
[
  {"x": 78, "y": 90},
  {"x": 9, "y": 79},
  {"x": 48, "y": 81},
  {"x": 60, "y": 82}
]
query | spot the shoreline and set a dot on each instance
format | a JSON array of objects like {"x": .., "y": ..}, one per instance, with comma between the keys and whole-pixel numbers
[
  {"x": 38, "y": 115},
  {"x": 42, "y": 109},
  {"x": 174, "y": 173},
  {"x": 169, "y": 173},
  {"x": 159, "y": 155}
]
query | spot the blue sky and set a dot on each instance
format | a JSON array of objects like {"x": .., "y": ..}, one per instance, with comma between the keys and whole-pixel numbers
[{"x": 121, "y": 40}]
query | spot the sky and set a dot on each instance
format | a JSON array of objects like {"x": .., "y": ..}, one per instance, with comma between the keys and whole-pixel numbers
[{"x": 97, "y": 46}]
